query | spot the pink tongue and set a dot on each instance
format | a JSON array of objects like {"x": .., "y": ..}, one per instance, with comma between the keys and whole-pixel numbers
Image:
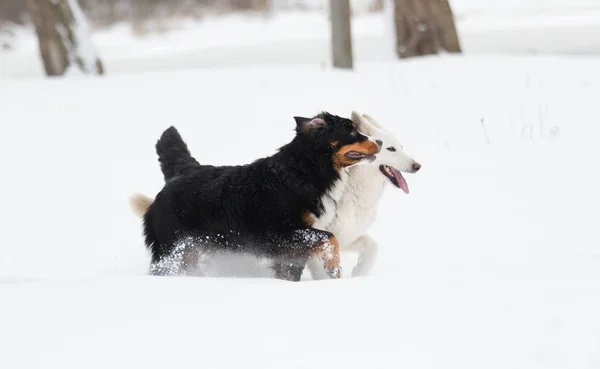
[{"x": 401, "y": 181}]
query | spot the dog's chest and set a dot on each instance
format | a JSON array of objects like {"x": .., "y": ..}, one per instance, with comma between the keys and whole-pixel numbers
[
  {"x": 356, "y": 209},
  {"x": 329, "y": 203}
]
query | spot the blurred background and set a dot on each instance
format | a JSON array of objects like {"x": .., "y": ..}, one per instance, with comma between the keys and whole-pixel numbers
[{"x": 142, "y": 35}]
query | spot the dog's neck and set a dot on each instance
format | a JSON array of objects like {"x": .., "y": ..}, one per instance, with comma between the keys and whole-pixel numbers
[
  {"x": 316, "y": 179},
  {"x": 366, "y": 183}
]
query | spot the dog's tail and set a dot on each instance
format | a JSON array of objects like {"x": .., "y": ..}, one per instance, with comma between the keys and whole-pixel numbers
[
  {"x": 174, "y": 157},
  {"x": 140, "y": 204}
]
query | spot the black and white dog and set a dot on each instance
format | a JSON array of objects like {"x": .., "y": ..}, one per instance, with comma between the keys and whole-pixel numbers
[{"x": 266, "y": 208}]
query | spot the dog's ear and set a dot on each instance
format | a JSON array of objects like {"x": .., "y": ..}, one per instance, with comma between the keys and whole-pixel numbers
[
  {"x": 370, "y": 119},
  {"x": 308, "y": 124},
  {"x": 360, "y": 123}
]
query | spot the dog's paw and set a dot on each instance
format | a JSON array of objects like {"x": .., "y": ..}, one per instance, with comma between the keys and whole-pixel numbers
[
  {"x": 359, "y": 271},
  {"x": 335, "y": 273}
]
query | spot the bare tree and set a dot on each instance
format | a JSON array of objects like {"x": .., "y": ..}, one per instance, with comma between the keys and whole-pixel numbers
[
  {"x": 63, "y": 37},
  {"x": 424, "y": 27},
  {"x": 341, "y": 35}
]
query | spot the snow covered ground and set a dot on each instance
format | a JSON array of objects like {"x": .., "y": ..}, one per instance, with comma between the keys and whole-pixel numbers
[{"x": 492, "y": 261}]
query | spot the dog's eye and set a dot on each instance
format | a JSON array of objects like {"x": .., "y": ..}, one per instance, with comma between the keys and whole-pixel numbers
[
  {"x": 391, "y": 148},
  {"x": 353, "y": 133}
]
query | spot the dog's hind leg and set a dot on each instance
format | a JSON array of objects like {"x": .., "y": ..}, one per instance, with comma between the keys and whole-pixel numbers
[
  {"x": 168, "y": 265},
  {"x": 367, "y": 254},
  {"x": 185, "y": 258},
  {"x": 195, "y": 258}
]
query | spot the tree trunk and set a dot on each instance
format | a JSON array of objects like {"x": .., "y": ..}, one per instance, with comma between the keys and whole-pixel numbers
[
  {"x": 424, "y": 27},
  {"x": 63, "y": 37},
  {"x": 341, "y": 35}
]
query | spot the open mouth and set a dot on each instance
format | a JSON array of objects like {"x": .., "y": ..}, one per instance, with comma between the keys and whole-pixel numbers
[
  {"x": 355, "y": 155},
  {"x": 395, "y": 177}
]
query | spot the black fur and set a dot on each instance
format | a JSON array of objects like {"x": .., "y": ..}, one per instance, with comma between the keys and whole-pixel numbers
[{"x": 258, "y": 208}]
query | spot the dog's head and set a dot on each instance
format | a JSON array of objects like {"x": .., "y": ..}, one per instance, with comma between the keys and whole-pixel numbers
[
  {"x": 392, "y": 160},
  {"x": 338, "y": 136}
]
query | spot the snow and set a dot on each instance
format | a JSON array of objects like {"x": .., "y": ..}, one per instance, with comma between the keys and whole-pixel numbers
[{"x": 492, "y": 261}]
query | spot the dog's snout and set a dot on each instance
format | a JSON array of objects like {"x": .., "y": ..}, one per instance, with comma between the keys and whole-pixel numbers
[
  {"x": 379, "y": 142},
  {"x": 416, "y": 166}
]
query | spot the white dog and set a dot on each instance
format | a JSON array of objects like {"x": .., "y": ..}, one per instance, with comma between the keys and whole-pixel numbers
[
  {"x": 351, "y": 207},
  {"x": 357, "y": 204}
]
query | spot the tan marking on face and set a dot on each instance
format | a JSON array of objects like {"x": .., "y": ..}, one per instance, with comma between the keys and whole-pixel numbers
[
  {"x": 334, "y": 143},
  {"x": 366, "y": 147}
]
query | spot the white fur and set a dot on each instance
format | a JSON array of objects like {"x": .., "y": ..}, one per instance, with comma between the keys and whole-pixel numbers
[{"x": 357, "y": 207}]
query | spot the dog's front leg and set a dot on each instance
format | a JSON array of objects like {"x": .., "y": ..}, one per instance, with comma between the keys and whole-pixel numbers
[
  {"x": 367, "y": 254},
  {"x": 289, "y": 269},
  {"x": 316, "y": 268},
  {"x": 304, "y": 244},
  {"x": 327, "y": 252}
]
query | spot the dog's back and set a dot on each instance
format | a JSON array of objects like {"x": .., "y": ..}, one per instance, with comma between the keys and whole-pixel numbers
[{"x": 224, "y": 202}]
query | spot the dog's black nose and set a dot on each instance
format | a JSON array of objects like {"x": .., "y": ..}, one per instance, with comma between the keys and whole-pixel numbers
[
  {"x": 379, "y": 142},
  {"x": 416, "y": 166}
]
